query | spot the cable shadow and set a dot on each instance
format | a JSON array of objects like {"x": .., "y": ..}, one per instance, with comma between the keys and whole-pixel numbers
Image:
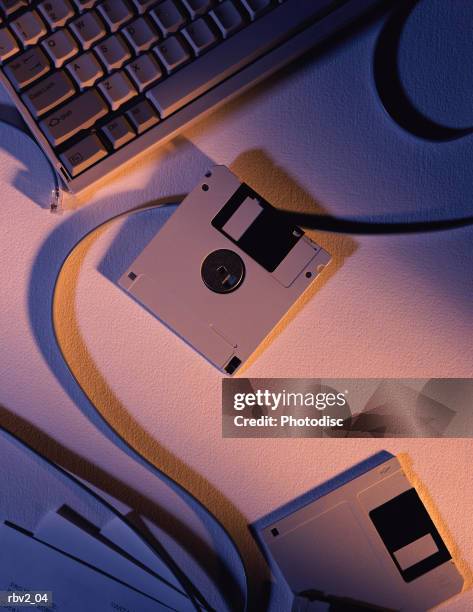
[
  {"x": 256, "y": 168},
  {"x": 54, "y": 452},
  {"x": 118, "y": 417},
  {"x": 390, "y": 88},
  {"x": 125, "y": 425},
  {"x": 114, "y": 421},
  {"x": 26, "y": 180}
]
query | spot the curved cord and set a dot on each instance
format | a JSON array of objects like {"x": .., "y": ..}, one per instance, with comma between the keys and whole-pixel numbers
[
  {"x": 54, "y": 205},
  {"x": 132, "y": 449},
  {"x": 310, "y": 221}
]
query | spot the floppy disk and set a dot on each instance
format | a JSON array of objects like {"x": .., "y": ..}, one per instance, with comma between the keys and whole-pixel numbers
[
  {"x": 224, "y": 269},
  {"x": 369, "y": 542}
]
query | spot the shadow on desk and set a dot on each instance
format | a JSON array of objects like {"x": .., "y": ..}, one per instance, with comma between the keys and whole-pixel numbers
[
  {"x": 113, "y": 419},
  {"x": 143, "y": 508},
  {"x": 33, "y": 176}
]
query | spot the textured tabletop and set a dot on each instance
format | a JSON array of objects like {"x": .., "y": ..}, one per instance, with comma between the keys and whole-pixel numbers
[{"x": 316, "y": 136}]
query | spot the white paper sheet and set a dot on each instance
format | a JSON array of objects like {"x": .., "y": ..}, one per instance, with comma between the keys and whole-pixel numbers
[
  {"x": 62, "y": 533},
  {"x": 76, "y": 587}
]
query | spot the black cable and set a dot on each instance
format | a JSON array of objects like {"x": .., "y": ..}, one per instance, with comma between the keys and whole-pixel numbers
[{"x": 328, "y": 223}]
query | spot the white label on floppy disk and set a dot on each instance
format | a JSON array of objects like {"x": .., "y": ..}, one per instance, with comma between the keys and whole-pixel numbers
[
  {"x": 296, "y": 260},
  {"x": 417, "y": 551},
  {"x": 242, "y": 218}
]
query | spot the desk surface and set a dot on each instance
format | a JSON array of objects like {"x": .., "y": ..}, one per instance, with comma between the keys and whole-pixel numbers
[{"x": 314, "y": 136}]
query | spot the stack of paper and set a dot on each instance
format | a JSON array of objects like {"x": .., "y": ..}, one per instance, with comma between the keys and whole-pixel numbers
[{"x": 82, "y": 551}]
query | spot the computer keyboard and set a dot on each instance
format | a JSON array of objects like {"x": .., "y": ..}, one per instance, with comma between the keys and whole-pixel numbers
[{"x": 96, "y": 75}]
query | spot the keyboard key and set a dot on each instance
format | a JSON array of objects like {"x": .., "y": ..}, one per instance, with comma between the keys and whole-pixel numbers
[
  {"x": 11, "y": 6},
  {"x": 27, "y": 68},
  {"x": 199, "y": 36},
  {"x": 83, "y": 154},
  {"x": 198, "y": 7},
  {"x": 142, "y": 116},
  {"x": 82, "y": 5},
  {"x": 117, "y": 89},
  {"x": 79, "y": 114},
  {"x": 177, "y": 90},
  {"x": 228, "y": 18},
  {"x": 8, "y": 44},
  {"x": 168, "y": 17},
  {"x": 29, "y": 28},
  {"x": 143, "y": 5},
  {"x": 115, "y": 13},
  {"x": 49, "y": 93},
  {"x": 172, "y": 53},
  {"x": 140, "y": 35},
  {"x": 88, "y": 28},
  {"x": 256, "y": 8},
  {"x": 144, "y": 71},
  {"x": 118, "y": 132},
  {"x": 56, "y": 12},
  {"x": 113, "y": 52},
  {"x": 85, "y": 70},
  {"x": 60, "y": 47}
]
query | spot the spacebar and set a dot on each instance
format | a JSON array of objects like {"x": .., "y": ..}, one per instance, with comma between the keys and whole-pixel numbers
[{"x": 235, "y": 53}]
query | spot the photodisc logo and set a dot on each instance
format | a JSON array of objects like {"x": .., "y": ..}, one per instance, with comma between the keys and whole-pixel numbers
[{"x": 288, "y": 399}]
